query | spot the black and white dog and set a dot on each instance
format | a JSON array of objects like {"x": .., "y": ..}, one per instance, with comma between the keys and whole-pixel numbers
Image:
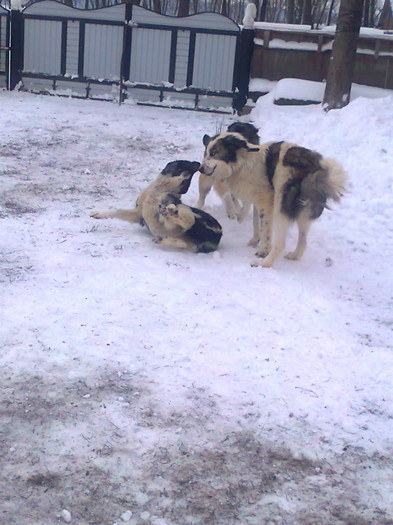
[
  {"x": 234, "y": 209},
  {"x": 286, "y": 183}
]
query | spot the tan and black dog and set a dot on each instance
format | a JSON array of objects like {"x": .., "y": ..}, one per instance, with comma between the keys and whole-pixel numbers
[
  {"x": 176, "y": 225},
  {"x": 285, "y": 182}
]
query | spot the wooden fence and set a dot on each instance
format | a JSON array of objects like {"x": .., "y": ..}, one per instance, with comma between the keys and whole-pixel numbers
[{"x": 284, "y": 52}]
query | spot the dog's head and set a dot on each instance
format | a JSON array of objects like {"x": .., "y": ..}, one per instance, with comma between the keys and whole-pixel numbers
[
  {"x": 178, "y": 175},
  {"x": 247, "y": 130},
  {"x": 222, "y": 152}
]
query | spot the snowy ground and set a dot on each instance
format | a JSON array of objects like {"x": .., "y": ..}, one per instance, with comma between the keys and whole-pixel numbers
[{"x": 153, "y": 387}]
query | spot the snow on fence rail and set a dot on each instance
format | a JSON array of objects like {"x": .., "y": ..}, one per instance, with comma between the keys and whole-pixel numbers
[{"x": 112, "y": 51}]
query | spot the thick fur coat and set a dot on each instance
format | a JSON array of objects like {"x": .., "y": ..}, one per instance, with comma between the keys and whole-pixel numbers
[{"x": 285, "y": 182}]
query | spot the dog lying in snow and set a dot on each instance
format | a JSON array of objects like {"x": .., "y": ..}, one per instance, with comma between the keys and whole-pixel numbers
[
  {"x": 234, "y": 209},
  {"x": 286, "y": 183},
  {"x": 169, "y": 221}
]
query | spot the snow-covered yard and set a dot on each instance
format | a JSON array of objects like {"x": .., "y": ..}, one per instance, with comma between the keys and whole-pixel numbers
[{"x": 150, "y": 386}]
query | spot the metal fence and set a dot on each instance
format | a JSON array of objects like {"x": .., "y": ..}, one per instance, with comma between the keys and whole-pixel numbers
[{"x": 200, "y": 61}]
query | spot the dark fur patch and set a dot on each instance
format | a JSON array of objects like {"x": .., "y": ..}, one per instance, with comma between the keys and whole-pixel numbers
[
  {"x": 304, "y": 161},
  {"x": 248, "y": 131},
  {"x": 305, "y": 190},
  {"x": 272, "y": 156},
  {"x": 205, "y": 233},
  {"x": 177, "y": 167},
  {"x": 226, "y": 149},
  {"x": 290, "y": 204},
  {"x": 305, "y": 194}
]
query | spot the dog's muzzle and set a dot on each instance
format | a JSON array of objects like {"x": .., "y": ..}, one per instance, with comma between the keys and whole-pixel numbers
[{"x": 206, "y": 170}]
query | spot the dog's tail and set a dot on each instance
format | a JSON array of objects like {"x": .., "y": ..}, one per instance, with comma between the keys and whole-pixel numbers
[{"x": 311, "y": 193}]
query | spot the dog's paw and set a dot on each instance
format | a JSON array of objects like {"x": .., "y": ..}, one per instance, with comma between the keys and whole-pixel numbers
[
  {"x": 292, "y": 256},
  {"x": 231, "y": 214},
  {"x": 98, "y": 215},
  {"x": 264, "y": 263},
  {"x": 262, "y": 253},
  {"x": 157, "y": 239},
  {"x": 253, "y": 242}
]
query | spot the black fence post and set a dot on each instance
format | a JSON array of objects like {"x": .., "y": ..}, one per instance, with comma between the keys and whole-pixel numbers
[
  {"x": 243, "y": 69},
  {"x": 16, "y": 49}
]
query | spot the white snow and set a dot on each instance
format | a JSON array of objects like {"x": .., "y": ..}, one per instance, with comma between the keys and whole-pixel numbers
[
  {"x": 308, "y": 90},
  {"x": 155, "y": 370}
]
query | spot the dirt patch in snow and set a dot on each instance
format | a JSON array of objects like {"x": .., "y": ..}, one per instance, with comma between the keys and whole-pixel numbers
[{"x": 100, "y": 447}]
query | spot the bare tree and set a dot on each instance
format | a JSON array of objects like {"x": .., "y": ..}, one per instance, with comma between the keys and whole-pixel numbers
[
  {"x": 307, "y": 12},
  {"x": 290, "y": 11},
  {"x": 385, "y": 20},
  {"x": 340, "y": 74},
  {"x": 262, "y": 13},
  {"x": 184, "y": 7}
]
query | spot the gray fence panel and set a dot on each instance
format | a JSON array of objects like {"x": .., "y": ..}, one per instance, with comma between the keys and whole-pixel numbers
[
  {"x": 150, "y": 54},
  {"x": 42, "y": 47},
  {"x": 3, "y": 40},
  {"x": 183, "y": 44},
  {"x": 72, "y": 48},
  {"x": 103, "y": 50},
  {"x": 214, "y": 62}
]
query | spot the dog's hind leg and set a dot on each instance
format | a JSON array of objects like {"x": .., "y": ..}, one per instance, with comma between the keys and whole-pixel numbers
[
  {"x": 205, "y": 184},
  {"x": 171, "y": 241},
  {"x": 265, "y": 213},
  {"x": 124, "y": 215},
  {"x": 304, "y": 224}
]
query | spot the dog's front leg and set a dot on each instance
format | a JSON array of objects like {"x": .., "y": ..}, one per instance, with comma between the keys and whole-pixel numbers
[
  {"x": 255, "y": 221},
  {"x": 264, "y": 221},
  {"x": 205, "y": 184},
  {"x": 231, "y": 206},
  {"x": 281, "y": 224}
]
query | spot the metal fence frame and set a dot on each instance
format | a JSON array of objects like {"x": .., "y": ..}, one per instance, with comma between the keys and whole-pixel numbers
[{"x": 238, "y": 91}]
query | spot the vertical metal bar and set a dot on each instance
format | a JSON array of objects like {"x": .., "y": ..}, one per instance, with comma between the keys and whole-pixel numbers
[
  {"x": 15, "y": 43},
  {"x": 172, "y": 58},
  {"x": 63, "y": 59},
  {"x": 81, "y": 55},
  {"x": 191, "y": 57}
]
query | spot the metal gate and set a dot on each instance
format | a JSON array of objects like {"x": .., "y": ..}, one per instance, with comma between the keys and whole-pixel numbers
[
  {"x": 4, "y": 47},
  {"x": 126, "y": 51}
]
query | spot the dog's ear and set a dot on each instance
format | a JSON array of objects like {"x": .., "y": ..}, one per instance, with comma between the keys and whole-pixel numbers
[
  {"x": 195, "y": 166},
  {"x": 206, "y": 140}
]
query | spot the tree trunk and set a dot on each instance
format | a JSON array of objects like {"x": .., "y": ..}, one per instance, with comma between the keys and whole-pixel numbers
[
  {"x": 184, "y": 7},
  {"x": 329, "y": 19},
  {"x": 157, "y": 6},
  {"x": 224, "y": 8},
  {"x": 366, "y": 13},
  {"x": 306, "y": 15},
  {"x": 290, "y": 11},
  {"x": 385, "y": 20},
  {"x": 342, "y": 61},
  {"x": 262, "y": 14}
]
